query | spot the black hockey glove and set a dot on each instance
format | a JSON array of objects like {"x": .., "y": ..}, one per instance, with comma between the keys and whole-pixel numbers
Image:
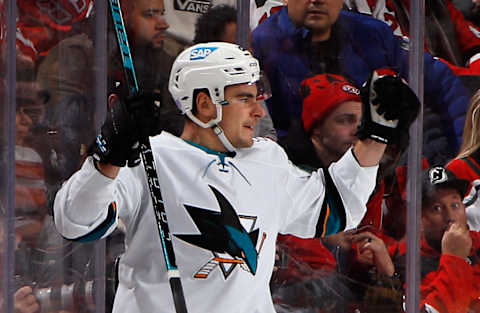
[
  {"x": 389, "y": 108},
  {"x": 125, "y": 125}
]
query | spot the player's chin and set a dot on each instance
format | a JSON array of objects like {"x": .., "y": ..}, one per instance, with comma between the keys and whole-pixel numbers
[{"x": 246, "y": 142}]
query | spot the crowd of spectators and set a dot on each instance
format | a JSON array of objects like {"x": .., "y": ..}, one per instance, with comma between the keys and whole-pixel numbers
[{"x": 315, "y": 56}]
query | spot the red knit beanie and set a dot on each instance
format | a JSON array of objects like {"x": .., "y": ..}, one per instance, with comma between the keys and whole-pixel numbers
[{"x": 322, "y": 94}]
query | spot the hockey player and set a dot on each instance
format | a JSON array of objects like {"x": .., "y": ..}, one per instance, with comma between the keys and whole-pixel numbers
[
  {"x": 220, "y": 24},
  {"x": 226, "y": 195}
]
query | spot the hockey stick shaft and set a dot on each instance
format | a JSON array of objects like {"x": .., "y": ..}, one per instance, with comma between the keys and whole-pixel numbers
[{"x": 150, "y": 169}]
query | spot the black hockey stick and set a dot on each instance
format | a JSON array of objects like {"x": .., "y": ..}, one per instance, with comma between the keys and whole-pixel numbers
[{"x": 150, "y": 169}]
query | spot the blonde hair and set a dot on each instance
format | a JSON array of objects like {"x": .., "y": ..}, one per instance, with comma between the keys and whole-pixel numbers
[{"x": 471, "y": 130}]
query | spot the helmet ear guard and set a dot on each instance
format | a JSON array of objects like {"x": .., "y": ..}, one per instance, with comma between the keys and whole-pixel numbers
[{"x": 210, "y": 123}]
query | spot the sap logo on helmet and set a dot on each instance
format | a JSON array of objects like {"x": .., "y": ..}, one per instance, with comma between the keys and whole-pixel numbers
[{"x": 201, "y": 53}]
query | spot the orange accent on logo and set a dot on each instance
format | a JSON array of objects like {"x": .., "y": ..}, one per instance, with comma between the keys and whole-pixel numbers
[
  {"x": 261, "y": 243},
  {"x": 223, "y": 260},
  {"x": 325, "y": 221},
  {"x": 114, "y": 206}
]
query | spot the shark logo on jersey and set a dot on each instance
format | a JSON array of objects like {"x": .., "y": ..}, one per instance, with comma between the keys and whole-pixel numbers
[
  {"x": 201, "y": 53},
  {"x": 223, "y": 234}
]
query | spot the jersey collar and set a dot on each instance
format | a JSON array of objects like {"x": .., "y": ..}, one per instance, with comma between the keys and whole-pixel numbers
[{"x": 221, "y": 155}]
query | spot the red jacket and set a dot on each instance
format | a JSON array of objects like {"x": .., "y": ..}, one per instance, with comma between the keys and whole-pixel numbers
[
  {"x": 303, "y": 259},
  {"x": 449, "y": 284}
]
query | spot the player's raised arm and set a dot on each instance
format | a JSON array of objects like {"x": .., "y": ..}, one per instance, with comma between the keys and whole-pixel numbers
[
  {"x": 389, "y": 108},
  {"x": 87, "y": 206},
  {"x": 127, "y": 122}
]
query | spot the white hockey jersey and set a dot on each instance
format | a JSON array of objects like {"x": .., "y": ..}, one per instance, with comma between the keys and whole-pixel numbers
[{"x": 258, "y": 192}]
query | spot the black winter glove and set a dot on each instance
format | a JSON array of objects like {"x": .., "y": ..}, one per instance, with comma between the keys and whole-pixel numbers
[
  {"x": 127, "y": 123},
  {"x": 389, "y": 108}
]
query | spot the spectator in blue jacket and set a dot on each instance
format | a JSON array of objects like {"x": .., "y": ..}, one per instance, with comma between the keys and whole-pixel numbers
[{"x": 315, "y": 36}]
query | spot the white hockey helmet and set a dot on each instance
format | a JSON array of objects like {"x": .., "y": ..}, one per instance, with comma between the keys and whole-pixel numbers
[{"x": 211, "y": 66}]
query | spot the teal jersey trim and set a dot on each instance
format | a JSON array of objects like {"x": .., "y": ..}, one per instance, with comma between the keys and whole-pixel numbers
[
  {"x": 221, "y": 155},
  {"x": 101, "y": 229},
  {"x": 333, "y": 223},
  {"x": 334, "y": 220}
]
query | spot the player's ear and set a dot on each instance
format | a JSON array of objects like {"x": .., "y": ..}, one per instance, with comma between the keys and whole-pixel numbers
[{"x": 205, "y": 108}]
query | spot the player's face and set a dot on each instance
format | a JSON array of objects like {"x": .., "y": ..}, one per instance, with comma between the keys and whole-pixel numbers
[
  {"x": 447, "y": 208},
  {"x": 146, "y": 22},
  {"x": 241, "y": 115},
  {"x": 317, "y": 15},
  {"x": 336, "y": 134}
]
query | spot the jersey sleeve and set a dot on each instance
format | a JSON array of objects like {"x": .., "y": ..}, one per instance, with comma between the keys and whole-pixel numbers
[
  {"x": 327, "y": 201},
  {"x": 450, "y": 288},
  {"x": 88, "y": 205}
]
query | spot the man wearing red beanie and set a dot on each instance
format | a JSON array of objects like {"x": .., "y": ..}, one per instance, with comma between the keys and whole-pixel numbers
[{"x": 332, "y": 110}]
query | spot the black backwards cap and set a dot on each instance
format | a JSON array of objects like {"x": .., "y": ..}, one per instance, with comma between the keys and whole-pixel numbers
[{"x": 436, "y": 178}]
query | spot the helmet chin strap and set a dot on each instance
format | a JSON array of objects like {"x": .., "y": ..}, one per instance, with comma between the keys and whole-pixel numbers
[{"x": 223, "y": 139}]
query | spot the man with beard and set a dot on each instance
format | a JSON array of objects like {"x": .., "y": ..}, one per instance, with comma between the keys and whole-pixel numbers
[
  {"x": 66, "y": 74},
  {"x": 145, "y": 22},
  {"x": 146, "y": 28}
]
